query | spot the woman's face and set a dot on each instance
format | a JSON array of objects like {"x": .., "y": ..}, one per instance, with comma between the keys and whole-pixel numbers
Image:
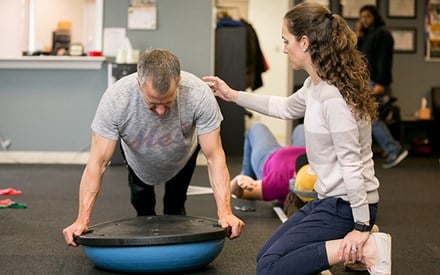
[{"x": 293, "y": 49}]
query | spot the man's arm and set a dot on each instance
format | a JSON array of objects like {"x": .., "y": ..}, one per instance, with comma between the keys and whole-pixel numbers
[
  {"x": 219, "y": 179},
  {"x": 101, "y": 152},
  {"x": 384, "y": 59}
]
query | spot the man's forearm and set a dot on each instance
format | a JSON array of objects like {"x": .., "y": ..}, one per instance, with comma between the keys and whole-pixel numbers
[
  {"x": 88, "y": 192},
  {"x": 220, "y": 183}
]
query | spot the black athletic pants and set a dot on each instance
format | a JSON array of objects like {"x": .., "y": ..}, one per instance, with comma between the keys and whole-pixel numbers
[{"x": 143, "y": 197}]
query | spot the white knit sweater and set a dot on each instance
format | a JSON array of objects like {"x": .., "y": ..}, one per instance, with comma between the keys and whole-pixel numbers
[{"x": 338, "y": 145}]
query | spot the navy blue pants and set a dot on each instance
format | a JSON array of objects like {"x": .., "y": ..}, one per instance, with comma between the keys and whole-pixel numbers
[
  {"x": 143, "y": 197},
  {"x": 298, "y": 245}
]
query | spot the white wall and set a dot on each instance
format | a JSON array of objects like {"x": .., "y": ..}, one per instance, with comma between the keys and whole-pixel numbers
[
  {"x": 13, "y": 27},
  {"x": 237, "y": 9},
  {"x": 266, "y": 18}
]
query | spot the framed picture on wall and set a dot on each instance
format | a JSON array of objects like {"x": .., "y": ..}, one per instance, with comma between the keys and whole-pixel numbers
[
  {"x": 401, "y": 8},
  {"x": 350, "y": 9},
  {"x": 404, "y": 39}
]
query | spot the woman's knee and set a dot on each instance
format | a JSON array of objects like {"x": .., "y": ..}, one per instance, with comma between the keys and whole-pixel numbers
[{"x": 265, "y": 264}]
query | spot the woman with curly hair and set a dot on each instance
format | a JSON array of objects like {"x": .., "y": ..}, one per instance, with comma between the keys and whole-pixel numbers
[{"x": 338, "y": 107}]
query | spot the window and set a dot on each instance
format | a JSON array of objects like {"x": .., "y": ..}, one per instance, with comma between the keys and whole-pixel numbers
[{"x": 28, "y": 25}]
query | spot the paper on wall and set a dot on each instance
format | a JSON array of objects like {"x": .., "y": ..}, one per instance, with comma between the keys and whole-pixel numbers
[{"x": 114, "y": 39}]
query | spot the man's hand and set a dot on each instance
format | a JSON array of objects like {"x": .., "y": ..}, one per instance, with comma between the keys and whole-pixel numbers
[
  {"x": 379, "y": 90},
  {"x": 234, "y": 223},
  {"x": 72, "y": 232}
]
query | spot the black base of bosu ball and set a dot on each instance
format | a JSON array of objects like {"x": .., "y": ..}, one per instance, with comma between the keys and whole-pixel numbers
[{"x": 154, "y": 244}]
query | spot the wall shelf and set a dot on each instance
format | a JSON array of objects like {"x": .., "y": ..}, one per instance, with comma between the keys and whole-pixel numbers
[{"x": 53, "y": 62}]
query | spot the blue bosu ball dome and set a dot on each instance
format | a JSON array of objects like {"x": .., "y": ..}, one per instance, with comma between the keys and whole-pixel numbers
[{"x": 154, "y": 244}]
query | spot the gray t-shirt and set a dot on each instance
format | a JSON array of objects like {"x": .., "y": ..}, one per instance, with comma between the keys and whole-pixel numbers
[{"x": 157, "y": 147}]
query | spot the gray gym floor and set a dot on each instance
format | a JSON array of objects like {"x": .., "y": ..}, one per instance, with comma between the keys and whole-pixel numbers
[{"x": 31, "y": 241}]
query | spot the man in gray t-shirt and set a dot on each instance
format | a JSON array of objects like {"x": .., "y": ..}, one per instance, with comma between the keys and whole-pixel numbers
[{"x": 163, "y": 117}]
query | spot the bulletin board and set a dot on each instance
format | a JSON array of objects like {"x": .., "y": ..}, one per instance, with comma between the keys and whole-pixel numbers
[
  {"x": 142, "y": 16},
  {"x": 432, "y": 30}
]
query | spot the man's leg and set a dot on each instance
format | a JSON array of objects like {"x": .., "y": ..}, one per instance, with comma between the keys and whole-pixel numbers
[
  {"x": 384, "y": 138},
  {"x": 394, "y": 150},
  {"x": 143, "y": 197},
  {"x": 176, "y": 188}
]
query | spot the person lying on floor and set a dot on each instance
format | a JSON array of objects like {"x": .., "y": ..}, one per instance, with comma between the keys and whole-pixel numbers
[{"x": 267, "y": 166}]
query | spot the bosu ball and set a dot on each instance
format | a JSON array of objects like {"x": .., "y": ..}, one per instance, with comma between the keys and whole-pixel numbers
[{"x": 154, "y": 244}]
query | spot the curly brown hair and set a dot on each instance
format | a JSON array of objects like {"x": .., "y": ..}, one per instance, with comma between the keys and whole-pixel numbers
[{"x": 333, "y": 50}]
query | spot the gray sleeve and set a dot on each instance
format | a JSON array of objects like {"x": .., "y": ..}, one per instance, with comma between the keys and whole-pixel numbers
[
  {"x": 104, "y": 123},
  {"x": 258, "y": 103},
  {"x": 208, "y": 115}
]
